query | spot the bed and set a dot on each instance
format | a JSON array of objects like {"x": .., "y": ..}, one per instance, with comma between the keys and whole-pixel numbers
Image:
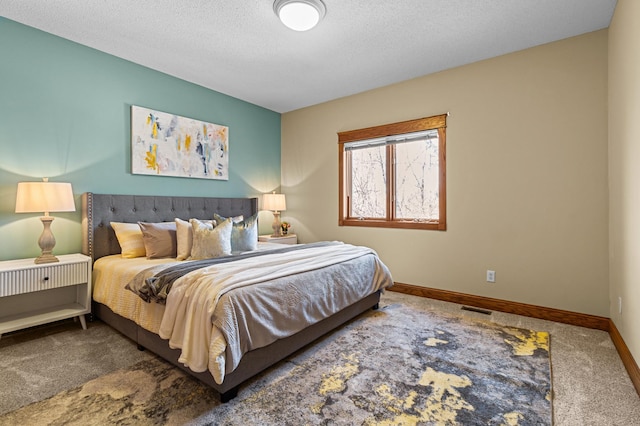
[{"x": 258, "y": 346}]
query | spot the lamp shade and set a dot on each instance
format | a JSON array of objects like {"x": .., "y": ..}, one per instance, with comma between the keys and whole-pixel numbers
[
  {"x": 274, "y": 202},
  {"x": 34, "y": 197}
]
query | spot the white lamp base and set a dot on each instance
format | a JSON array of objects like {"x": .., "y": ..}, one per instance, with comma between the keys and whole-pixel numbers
[
  {"x": 277, "y": 231},
  {"x": 46, "y": 242}
]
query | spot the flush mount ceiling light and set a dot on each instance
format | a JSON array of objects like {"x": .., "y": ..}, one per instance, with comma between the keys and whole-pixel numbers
[{"x": 299, "y": 15}]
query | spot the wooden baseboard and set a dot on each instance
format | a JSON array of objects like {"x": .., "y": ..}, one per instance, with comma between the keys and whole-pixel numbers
[
  {"x": 533, "y": 311},
  {"x": 627, "y": 359}
]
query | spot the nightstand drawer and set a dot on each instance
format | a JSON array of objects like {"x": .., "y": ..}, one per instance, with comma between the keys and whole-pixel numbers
[{"x": 39, "y": 278}]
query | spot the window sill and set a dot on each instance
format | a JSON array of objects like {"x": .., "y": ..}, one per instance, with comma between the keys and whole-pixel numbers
[{"x": 397, "y": 224}]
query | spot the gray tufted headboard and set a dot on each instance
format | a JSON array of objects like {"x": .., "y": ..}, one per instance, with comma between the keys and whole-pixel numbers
[{"x": 98, "y": 210}]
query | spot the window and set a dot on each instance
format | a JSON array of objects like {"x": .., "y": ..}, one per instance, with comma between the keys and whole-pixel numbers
[{"x": 394, "y": 175}]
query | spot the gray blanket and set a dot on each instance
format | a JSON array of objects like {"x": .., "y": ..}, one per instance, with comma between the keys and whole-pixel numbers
[{"x": 217, "y": 314}]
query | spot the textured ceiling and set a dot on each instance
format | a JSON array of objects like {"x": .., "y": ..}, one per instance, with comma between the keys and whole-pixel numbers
[{"x": 238, "y": 47}]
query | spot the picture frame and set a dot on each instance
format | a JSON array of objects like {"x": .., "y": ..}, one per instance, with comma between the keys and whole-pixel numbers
[{"x": 165, "y": 144}]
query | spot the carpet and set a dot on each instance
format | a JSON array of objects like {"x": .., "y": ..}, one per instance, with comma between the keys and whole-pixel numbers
[{"x": 399, "y": 365}]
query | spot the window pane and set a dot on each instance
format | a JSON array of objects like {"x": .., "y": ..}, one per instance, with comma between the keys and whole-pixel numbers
[
  {"x": 417, "y": 172},
  {"x": 368, "y": 182}
]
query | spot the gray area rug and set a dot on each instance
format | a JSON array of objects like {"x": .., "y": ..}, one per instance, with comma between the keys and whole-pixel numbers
[{"x": 399, "y": 365}]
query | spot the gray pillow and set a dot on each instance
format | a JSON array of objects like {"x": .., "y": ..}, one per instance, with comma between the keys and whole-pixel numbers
[
  {"x": 159, "y": 239},
  {"x": 244, "y": 235}
]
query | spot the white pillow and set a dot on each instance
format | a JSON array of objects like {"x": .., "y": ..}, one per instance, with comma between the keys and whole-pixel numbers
[
  {"x": 129, "y": 236},
  {"x": 184, "y": 236},
  {"x": 209, "y": 242}
]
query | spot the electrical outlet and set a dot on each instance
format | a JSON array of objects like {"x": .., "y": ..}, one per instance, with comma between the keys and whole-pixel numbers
[
  {"x": 491, "y": 276},
  {"x": 620, "y": 305}
]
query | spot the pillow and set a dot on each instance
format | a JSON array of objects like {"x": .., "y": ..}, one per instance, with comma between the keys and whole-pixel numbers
[
  {"x": 244, "y": 235},
  {"x": 159, "y": 239},
  {"x": 129, "y": 237},
  {"x": 184, "y": 237},
  {"x": 209, "y": 242}
]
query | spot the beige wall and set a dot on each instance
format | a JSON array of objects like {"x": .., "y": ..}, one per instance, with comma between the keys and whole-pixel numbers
[
  {"x": 624, "y": 170},
  {"x": 526, "y": 175}
]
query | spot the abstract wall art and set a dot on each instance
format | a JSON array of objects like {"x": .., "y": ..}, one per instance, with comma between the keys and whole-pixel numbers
[{"x": 166, "y": 144}]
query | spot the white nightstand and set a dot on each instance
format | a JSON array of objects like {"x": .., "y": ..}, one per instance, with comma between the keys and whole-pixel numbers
[
  {"x": 32, "y": 294},
  {"x": 285, "y": 239}
]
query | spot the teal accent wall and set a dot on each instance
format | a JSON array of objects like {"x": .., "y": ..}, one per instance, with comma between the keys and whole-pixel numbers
[{"x": 65, "y": 114}]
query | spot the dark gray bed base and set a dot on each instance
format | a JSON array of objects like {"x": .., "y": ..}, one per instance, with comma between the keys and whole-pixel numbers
[
  {"x": 252, "y": 362},
  {"x": 99, "y": 240}
]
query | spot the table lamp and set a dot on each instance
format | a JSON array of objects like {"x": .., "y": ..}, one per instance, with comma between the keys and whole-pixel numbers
[
  {"x": 276, "y": 203},
  {"x": 45, "y": 196}
]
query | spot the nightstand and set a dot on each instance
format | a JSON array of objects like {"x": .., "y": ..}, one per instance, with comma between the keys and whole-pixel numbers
[
  {"x": 285, "y": 239},
  {"x": 33, "y": 294}
]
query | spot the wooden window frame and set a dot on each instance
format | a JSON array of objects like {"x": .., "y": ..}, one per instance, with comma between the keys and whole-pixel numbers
[{"x": 437, "y": 122}]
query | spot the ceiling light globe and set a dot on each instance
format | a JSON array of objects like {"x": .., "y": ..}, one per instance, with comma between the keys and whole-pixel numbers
[{"x": 299, "y": 15}]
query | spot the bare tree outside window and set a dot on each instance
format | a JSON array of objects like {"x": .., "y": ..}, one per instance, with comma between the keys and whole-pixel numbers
[
  {"x": 417, "y": 180},
  {"x": 394, "y": 175},
  {"x": 368, "y": 182}
]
